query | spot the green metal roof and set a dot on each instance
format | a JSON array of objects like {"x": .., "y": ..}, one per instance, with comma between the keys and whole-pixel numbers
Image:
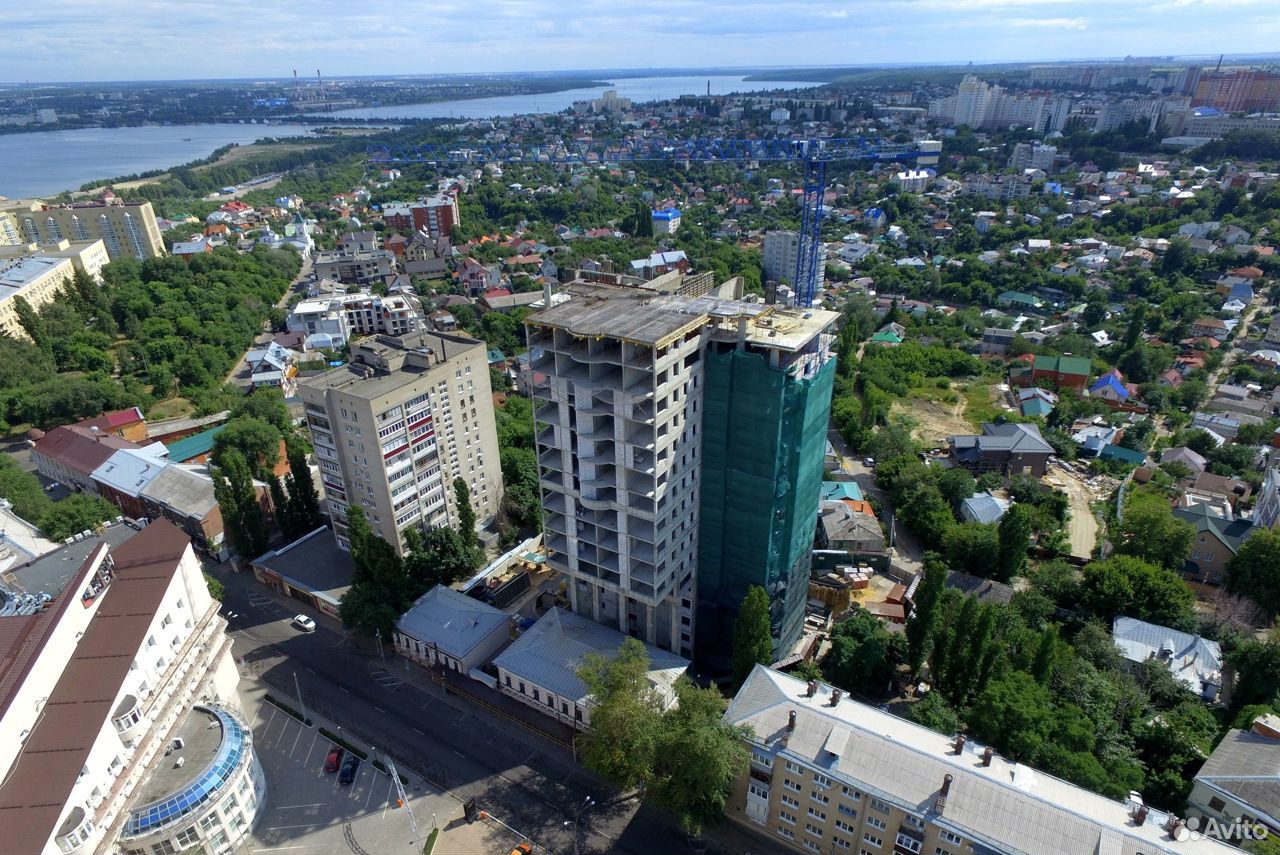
[
  {"x": 193, "y": 446},
  {"x": 1064, "y": 364}
]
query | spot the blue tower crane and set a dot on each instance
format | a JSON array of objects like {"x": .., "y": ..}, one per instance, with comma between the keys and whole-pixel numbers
[{"x": 812, "y": 154}]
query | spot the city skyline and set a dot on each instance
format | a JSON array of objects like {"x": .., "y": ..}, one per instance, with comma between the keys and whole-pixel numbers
[{"x": 64, "y": 42}]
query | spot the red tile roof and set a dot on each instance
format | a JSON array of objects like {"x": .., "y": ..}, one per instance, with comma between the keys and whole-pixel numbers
[
  {"x": 79, "y": 448},
  {"x": 114, "y": 419},
  {"x": 41, "y": 779}
]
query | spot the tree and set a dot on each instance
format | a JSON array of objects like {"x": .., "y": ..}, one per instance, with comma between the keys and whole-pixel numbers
[
  {"x": 625, "y": 716},
  {"x": 216, "y": 589},
  {"x": 752, "y": 635},
  {"x": 284, "y": 519},
  {"x": 242, "y": 516},
  {"x": 23, "y": 490},
  {"x": 1254, "y": 571},
  {"x": 1150, "y": 531},
  {"x": 466, "y": 514},
  {"x": 863, "y": 655},
  {"x": 970, "y": 546},
  {"x": 1257, "y": 667},
  {"x": 1124, "y": 585},
  {"x": 925, "y": 617},
  {"x": 935, "y": 713},
  {"x": 74, "y": 514},
  {"x": 379, "y": 591},
  {"x": 698, "y": 757},
  {"x": 1015, "y": 538},
  {"x": 258, "y": 442},
  {"x": 892, "y": 440},
  {"x": 439, "y": 558},
  {"x": 1014, "y": 715},
  {"x": 267, "y": 405},
  {"x": 304, "y": 501},
  {"x": 31, "y": 323},
  {"x": 956, "y": 485}
]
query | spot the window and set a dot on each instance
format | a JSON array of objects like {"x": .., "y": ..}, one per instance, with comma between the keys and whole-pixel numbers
[
  {"x": 209, "y": 822},
  {"x": 787, "y": 817},
  {"x": 883, "y": 807},
  {"x": 851, "y": 793},
  {"x": 188, "y": 837},
  {"x": 948, "y": 837},
  {"x": 821, "y": 780},
  {"x": 938, "y": 850},
  {"x": 219, "y": 840},
  {"x": 819, "y": 797},
  {"x": 844, "y": 826},
  {"x": 790, "y": 802},
  {"x": 759, "y": 791},
  {"x": 811, "y": 846},
  {"x": 877, "y": 824},
  {"x": 164, "y": 847},
  {"x": 840, "y": 843},
  {"x": 847, "y": 811},
  {"x": 873, "y": 840},
  {"x": 907, "y": 842},
  {"x": 792, "y": 785},
  {"x": 757, "y": 756},
  {"x": 792, "y": 767},
  {"x": 786, "y": 832},
  {"x": 1216, "y": 803},
  {"x": 164, "y": 623}
]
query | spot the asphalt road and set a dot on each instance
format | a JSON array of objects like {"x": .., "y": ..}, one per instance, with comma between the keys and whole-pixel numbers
[{"x": 514, "y": 775}]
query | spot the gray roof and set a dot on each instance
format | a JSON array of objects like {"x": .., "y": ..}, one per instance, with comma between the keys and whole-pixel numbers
[
  {"x": 129, "y": 470},
  {"x": 841, "y": 522},
  {"x": 1194, "y": 660},
  {"x": 313, "y": 563},
  {"x": 549, "y": 653},
  {"x": 1019, "y": 438},
  {"x": 1231, "y": 532},
  {"x": 986, "y": 590},
  {"x": 52, "y": 572},
  {"x": 984, "y": 507},
  {"x": 186, "y": 492},
  {"x": 1006, "y": 806},
  {"x": 1246, "y": 765},
  {"x": 1182, "y": 454},
  {"x": 450, "y": 620}
]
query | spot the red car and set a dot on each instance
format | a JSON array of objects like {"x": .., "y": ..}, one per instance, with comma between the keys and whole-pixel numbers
[{"x": 334, "y": 760}]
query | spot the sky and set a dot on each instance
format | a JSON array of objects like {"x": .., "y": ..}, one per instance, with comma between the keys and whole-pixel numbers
[{"x": 73, "y": 40}]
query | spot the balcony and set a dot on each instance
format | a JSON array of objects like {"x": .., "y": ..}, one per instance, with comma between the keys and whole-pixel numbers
[
  {"x": 598, "y": 499},
  {"x": 642, "y": 413},
  {"x": 641, "y": 437},
  {"x": 558, "y": 544},
  {"x": 549, "y": 415},
  {"x": 551, "y": 460}
]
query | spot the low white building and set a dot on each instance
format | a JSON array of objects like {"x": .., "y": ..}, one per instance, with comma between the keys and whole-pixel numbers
[
  {"x": 540, "y": 667},
  {"x": 120, "y": 672},
  {"x": 1193, "y": 661},
  {"x": 330, "y": 321}
]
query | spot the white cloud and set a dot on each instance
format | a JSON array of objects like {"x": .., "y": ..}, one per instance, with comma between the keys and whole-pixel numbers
[{"x": 1051, "y": 23}]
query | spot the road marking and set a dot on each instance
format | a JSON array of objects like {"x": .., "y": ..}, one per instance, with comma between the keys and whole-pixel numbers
[
  {"x": 369, "y": 797},
  {"x": 292, "y": 807},
  {"x": 379, "y": 709},
  {"x": 285, "y": 828},
  {"x": 460, "y": 754},
  {"x": 415, "y": 730},
  {"x": 345, "y": 689},
  {"x": 277, "y": 848},
  {"x": 295, "y": 743},
  {"x": 309, "y": 668},
  {"x": 387, "y": 805},
  {"x": 312, "y": 747}
]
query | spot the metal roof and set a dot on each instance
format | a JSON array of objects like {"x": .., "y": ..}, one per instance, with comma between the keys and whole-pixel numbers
[
  {"x": 191, "y": 447},
  {"x": 1006, "y": 807},
  {"x": 549, "y": 653},
  {"x": 1246, "y": 765},
  {"x": 1192, "y": 659},
  {"x": 451, "y": 621},
  {"x": 130, "y": 470},
  {"x": 186, "y": 492}
]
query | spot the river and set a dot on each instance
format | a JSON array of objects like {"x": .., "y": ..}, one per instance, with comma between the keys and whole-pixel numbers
[
  {"x": 44, "y": 163},
  {"x": 638, "y": 89}
]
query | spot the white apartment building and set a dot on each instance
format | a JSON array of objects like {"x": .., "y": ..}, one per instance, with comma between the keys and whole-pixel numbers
[
  {"x": 126, "y": 671},
  {"x": 913, "y": 180},
  {"x": 781, "y": 250},
  {"x": 332, "y": 321},
  {"x": 393, "y": 430},
  {"x": 88, "y": 256},
  {"x": 125, "y": 229},
  {"x": 34, "y": 278},
  {"x": 1033, "y": 155}
]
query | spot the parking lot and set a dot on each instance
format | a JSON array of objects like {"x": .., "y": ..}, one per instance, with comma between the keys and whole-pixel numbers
[{"x": 308, "y": 811}]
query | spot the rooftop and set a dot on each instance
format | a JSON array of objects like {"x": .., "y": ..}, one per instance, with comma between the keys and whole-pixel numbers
[
  {"x": 52, "y": 573},
  {"x": 80, "y": 449},
  {"x": 19, "y": 274},
  {"x": 549, "y": 652},
  {"x": 187, "y": 492},
  {"x": 1191, "y": 659},
  {"x": 1003, "y": 806},
  {"x": 58, "y": 746},
  {"x": 191, "y": 447},
  {"x": 412, "y": 355},
  {"x": 1246, "y": 765},
  {"x": 452, "y": 621},
  {"x": 314, "y": 563}
]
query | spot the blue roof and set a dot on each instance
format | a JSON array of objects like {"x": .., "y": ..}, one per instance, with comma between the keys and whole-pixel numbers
[
  {"x": 984, "y": 507},
  {"x": 1125, "y": 455},
  {"x": 1036, "y": 407},
  {"x": 1109, "y": 380},
  {"x": 495, "y": 356},
  {"x": 451, "y": 621},
  {"x": 834, "y": 491},
  {"x": 1243, "y": 291},
  {"x": 666, "y": 214}
]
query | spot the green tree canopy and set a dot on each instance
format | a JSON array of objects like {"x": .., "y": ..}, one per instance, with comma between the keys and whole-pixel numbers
[
  {"x": 258, "y": 442},
  {"x": 1254, "y": 571},
  {"x": 625, "y": 716},
  {"x": 74, "y": 514},
  {"x": 752, "y": 636},
  {"x": 1124, "y": 585},
  {"x": 1150, "y": 531}
]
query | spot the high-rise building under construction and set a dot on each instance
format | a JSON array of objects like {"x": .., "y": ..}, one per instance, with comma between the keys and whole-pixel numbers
[{"x": 680, "y": 443}]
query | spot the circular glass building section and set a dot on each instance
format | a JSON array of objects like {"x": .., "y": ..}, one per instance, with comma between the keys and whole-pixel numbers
[{"x": 205, "y": 790}]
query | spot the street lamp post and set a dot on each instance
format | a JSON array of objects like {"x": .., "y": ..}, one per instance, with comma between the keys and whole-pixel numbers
[{"x": 576, "y": 822}]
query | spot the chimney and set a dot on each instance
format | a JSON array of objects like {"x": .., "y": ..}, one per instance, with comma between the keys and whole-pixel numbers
[
  {"x": 791, "y": 722},
  {"x": 987, "y": 754},
  {"x": 1140, "y": 815},
  {"x": 961, "y": 739},
  {"x": 940, "y": 802},
  {"x": 836, "y": 694},
  {"x": 811, "y": 688}
]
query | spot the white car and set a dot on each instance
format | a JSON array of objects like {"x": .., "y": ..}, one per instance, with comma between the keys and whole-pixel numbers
[{"x": 304, "y": 623}]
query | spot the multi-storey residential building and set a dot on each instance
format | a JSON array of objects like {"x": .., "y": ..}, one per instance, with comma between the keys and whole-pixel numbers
[
  {"x": 359, "y": 267},
  {"x": 126, "y": 230},
  {"x": 393, "y": 430},
  {"x": 829, "y": 774},
  {"x": 666, "y": 222},
  {"x": 1243, "y": 90},
  {"x": 437, "y": 216},
  {"x": 329, "y": 322},
  {"x": 1033, "y": 155},
  {"x": 118, "y": 723},
  {"x": 781, "y": 249},
  {"x": 88, "y": 256},
  {"x": 34, "y": 278},
  {"x": 652, "y": 525}
]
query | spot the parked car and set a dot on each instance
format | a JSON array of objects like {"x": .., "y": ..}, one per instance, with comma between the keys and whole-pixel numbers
[
  {"x": 349, "y": 768},
  {"x": 869, "y": 462},
  {"x": 304, "y": 623},
  {"x": 523, "y": 849},
  {"x": 334, "y": 759}
]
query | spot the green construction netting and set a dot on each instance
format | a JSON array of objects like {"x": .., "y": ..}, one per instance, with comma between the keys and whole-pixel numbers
[{"x": 764, "y": 437}]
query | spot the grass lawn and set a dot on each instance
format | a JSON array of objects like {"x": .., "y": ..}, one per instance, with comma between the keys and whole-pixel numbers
[
  {"x": 173, "y": 408},
  {"x": 979, "y": 407}
]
